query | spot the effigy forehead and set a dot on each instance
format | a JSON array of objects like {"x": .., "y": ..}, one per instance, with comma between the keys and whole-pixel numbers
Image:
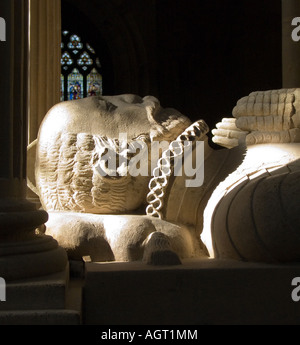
[{"x": 111, "y": 115}]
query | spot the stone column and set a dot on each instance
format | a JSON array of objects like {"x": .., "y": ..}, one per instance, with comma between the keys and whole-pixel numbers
[
  {"x": 45, "y": 55},
  {"x": 23, "y": 253},
  {"x": 290, "y": 48}
]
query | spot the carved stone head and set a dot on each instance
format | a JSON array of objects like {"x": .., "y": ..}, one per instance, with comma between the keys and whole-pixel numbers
[{"x": 76, "y": 135}]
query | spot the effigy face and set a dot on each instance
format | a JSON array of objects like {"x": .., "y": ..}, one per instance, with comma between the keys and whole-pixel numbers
[{"x": 85, "y": 148}]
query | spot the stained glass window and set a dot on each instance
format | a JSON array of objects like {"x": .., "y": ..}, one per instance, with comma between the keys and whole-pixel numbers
[
  {"x": 66, "y": 60},
  {"x": 94, "y": 83},
  {"x": 80, "y": 68},
  {"x": 62, "y": 87},
  {"x": 75, "y": 85},
  {"x": 85, "y": 60},
  {"x": 75, "y": 43},
  {"x": 90, "y": 48}
]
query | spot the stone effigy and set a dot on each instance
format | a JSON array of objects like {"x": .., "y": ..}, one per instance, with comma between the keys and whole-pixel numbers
[
  {"x": 246, "y": 206},
  {"x": 82, "y": 175}
]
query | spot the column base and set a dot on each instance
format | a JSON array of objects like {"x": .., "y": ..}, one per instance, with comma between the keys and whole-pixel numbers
[
  {"x": 37, "y": 257},
  {"x": 23, "y": 253},
  {"x": 47, "y": 300}
]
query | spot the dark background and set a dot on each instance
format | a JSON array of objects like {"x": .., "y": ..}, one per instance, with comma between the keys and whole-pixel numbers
[{"x": 198, "y": 56}]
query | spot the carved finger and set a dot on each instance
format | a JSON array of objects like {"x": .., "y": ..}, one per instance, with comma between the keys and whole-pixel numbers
[
  {"x": 227, "y": 134},
  {"x": 263, "y": 123},
  {"x": 289, "y": 136},
  {"x": 266, "y": 103},
  {"x": 225, "y": 142},
  {"x": 232, "y": 134}
]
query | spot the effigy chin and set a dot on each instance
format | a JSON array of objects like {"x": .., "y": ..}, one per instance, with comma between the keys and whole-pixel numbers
[{"x": 124, "y": 179}]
